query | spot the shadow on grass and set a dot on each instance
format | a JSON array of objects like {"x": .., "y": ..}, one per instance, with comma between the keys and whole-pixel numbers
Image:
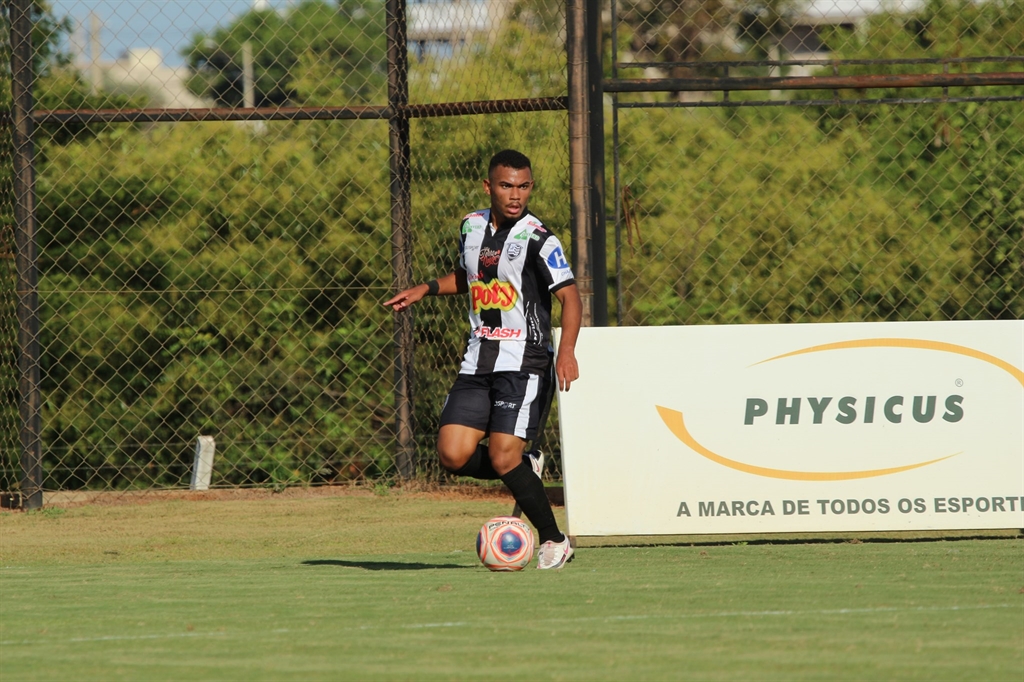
[{"x": 381, "y": 565}]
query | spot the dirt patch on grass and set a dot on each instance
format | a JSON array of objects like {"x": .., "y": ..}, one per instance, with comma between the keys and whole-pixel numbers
[{"x": 414, "y": 489}]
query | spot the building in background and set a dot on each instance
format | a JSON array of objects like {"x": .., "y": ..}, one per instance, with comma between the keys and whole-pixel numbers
[
  {"x": 138, "y": 72},
  {"x": 142, "y": 72},
  {"x": 437, "y": 28},
  {"x": 805, "y": 37}
]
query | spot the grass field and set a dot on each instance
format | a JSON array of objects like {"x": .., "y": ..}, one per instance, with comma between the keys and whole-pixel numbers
[{"x": 363, "y": 586}]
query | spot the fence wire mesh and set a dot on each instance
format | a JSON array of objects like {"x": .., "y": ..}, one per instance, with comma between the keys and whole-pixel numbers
[
  {"x": 9, "y": 419},
  {"x": 812, "y": 206},
  {"x": 225, "y": 277}
]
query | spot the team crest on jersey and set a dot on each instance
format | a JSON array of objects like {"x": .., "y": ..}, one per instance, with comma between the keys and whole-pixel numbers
[
  {"x": 494, "y": 295},
  {"x": 467, "y": 226},
  {"x": 514, "y": 250}
]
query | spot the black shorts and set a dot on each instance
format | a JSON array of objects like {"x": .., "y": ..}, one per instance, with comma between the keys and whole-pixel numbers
[{"x": 502, "y": 402}]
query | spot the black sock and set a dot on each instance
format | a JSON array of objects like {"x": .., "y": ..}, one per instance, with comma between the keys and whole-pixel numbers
[
  {"x": 479, "y": 466},
  {"x": 529, "y": 493}
]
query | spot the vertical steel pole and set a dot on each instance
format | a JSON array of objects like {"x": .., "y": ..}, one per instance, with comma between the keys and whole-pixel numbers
[
  {"x": 401, "y": 229},
  {"x": 616, "y": 182},
  {"x": 579, "y": 155},
  {"x": 25, "y": 253},
  {"x": 595, "y": 96}
]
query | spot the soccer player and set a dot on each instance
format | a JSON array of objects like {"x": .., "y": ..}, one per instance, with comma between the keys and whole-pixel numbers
[{"x": 510, "y": 264}]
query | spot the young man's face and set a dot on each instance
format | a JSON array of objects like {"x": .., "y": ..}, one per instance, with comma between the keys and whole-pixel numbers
[{"x": 510, "y": 190}]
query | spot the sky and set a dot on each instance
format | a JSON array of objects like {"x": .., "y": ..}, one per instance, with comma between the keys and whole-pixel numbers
[{"x": 166, "y": 25}]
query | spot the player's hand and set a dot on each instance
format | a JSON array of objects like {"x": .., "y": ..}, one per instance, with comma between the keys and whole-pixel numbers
[
  {"x": 566, "y": 369},
  {"x": 406, "y": 298}
]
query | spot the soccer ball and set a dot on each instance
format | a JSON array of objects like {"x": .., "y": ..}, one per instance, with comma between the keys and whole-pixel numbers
[{"x": 505, "y": 543}]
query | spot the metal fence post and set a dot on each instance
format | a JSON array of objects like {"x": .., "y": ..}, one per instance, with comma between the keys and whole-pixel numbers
[
  {"x": 401, "y": 231},
  {"x": 25, "y": 253},
  {"x": 579, "y": 155},
  {"x": 595, "y": 96}
]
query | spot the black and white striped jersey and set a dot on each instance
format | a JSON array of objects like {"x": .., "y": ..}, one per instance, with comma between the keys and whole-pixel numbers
[{"x": 512, "y": 273}]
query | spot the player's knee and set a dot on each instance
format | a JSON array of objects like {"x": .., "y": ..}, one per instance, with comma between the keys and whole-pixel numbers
[
  {"x": 451, "y": 459},
  {"x": 505, "y": 459}
]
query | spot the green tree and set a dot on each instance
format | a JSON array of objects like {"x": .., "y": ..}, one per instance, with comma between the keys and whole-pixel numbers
[
  {"x": 206, "y": 279},
  {"x": 674, "y": 30},
  {"x": 46, "y": 34},
  {"x": 56, "y": 85},
  {"x": 315, "y": 52},
  {"x": 959, "y": 163},
  {"x": 201, "y": 280},
  {"x": 751, "y": 216}
]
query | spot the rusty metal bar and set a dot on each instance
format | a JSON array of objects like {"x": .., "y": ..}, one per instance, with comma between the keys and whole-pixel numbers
[
  {"x": 579, "y": 155},
  {"x": 497, "y": 106},
  {"x": 861, "y": 82},
  {"x": 211, "y": 114},
  {"x": 938, "y": 61},
  {"x": 84, "y": 116},
  {"x": 704, "y": 104},
  {"x": 361, "y": 113},
  {"x": 400, "y": 164},
  {"x": 26, "y": 254}
]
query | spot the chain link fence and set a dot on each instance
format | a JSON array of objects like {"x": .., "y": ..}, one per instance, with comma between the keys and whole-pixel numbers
[
  {"x": 879, "y": 198},
  {"x": 216, "y": 202},
  {"x": 223, "y": 275},
  {"x": 9, "y": 419}
]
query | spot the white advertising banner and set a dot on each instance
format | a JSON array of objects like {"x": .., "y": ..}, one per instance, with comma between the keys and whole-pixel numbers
[{"x": 798, "y": 427}]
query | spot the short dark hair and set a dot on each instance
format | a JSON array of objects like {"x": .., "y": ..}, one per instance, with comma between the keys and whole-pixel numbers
[{"x": 509, "y": 158}]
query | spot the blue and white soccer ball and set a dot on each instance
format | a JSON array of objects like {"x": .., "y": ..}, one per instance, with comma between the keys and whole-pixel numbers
[{"x": 505, "y": 543}]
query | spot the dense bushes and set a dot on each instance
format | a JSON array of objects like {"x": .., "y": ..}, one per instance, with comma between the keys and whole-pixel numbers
[
  {"x": 223, "y": 279},
  {"x": 199, "y": 281}
]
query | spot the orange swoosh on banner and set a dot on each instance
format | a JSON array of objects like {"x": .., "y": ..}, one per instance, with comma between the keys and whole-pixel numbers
[
  {"x": 909, "y": 343},
  {"x": 674, "y": 421}
]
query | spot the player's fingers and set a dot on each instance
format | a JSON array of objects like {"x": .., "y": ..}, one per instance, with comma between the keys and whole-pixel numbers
[{"x": 398, "y": 302}]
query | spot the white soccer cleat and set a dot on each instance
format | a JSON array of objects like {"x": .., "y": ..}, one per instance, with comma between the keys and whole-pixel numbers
[
  {"x": 555, "y": 554},
  {"x": 536, "y": 462}
]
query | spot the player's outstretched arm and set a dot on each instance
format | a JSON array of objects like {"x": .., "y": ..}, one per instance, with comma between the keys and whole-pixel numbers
[
  {"x": 449, "y": 284},
  {"x": 566, "y": 368}
]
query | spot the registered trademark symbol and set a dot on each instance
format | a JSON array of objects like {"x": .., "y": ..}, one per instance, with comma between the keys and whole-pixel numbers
[{"x": 959, "y": 383}]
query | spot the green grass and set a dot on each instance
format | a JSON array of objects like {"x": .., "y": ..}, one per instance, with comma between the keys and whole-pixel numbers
[{"x": 388, "y": 587}]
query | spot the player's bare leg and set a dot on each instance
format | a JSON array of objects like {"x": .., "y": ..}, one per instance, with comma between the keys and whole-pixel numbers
[
  {"x": 460, "y": 452},
  {"x": 456, "y": 445},
  {"x": 506, "y": 452}
]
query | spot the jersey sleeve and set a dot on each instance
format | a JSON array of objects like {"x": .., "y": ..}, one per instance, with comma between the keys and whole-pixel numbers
[
  {"x": 461, "y": 260},
  {"x": 553, "y": 265}
]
